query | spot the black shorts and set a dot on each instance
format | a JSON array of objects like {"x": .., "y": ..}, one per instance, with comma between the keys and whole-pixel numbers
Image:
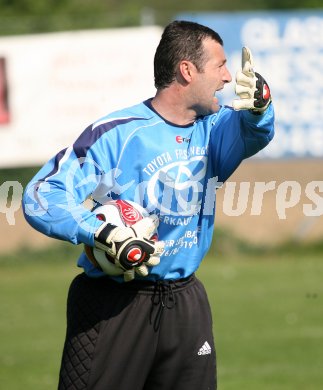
[{"x": 138, "y": 336}]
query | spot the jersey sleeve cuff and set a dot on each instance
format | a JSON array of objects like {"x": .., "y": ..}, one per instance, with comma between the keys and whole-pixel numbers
[{"x": 87, "y": 228}]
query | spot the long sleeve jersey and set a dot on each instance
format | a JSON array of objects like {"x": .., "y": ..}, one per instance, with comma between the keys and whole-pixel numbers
[{"x": 172, "y": 171}]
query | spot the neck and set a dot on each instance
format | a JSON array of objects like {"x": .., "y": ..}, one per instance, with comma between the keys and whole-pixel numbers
[{"x": 172, "y": 107}]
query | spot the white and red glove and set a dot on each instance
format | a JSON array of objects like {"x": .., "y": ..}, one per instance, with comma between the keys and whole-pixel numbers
[
  {"x": 131, "y": 247},
  {"x": 251, "y": 87}
]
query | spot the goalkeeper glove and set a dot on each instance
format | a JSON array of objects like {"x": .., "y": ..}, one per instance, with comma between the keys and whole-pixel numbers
[
  {"x": 131, "y": 247},
  {"x": 251, "y": 87}
]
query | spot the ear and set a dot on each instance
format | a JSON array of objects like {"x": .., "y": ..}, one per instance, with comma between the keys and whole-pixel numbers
[{"x": 186, "y": 70}]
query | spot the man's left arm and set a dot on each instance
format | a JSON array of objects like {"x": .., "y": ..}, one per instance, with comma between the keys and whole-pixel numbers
[
  {"x": 256, "y": 130},
  {"x": 245, "y": 129},
  {"x": 248, "y": 127},
  {"x": 237, "y": 135},
  {"x": 255, "y": 103}
]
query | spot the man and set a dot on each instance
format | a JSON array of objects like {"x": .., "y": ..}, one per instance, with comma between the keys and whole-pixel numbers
[{"x": 152, "y": 328}]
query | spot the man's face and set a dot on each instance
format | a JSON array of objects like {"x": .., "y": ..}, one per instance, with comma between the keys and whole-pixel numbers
[{"x": 211, "y": 79}]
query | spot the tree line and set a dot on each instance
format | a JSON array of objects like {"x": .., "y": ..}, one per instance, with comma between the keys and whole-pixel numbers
[{"x": 34, "y": 16}]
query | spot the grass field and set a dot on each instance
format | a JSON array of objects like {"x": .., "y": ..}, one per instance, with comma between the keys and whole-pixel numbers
[{"x": 267, "y": 307}]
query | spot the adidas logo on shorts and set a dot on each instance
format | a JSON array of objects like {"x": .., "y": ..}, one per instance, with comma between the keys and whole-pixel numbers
[{"x": 205, "y": 349}]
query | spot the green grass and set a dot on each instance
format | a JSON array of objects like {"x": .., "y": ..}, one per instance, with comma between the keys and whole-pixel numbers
[
  {"x": 33, "y": 288},
  {"x": 267, "y": 309},
  {"x": 268, "y": 317},
  {"x": 23, "y": 175}
]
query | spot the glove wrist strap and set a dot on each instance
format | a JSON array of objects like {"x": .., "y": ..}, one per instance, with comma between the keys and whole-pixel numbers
[
  {"x": 103, "y": 232},
  {"x": 260, "y": 111}
]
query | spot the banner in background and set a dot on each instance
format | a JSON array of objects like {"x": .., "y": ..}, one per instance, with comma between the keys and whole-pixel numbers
[
  {"x": 55, "y": 85},
  {"x": 4, "y": 109},
  {"x": 288, "y": 52}
]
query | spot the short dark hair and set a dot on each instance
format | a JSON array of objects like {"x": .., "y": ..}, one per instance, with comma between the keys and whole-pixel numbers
[{"x": 181, "y": 40}]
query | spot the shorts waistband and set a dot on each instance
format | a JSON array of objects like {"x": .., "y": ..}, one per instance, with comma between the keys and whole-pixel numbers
[{"x": 148, "y": 286}]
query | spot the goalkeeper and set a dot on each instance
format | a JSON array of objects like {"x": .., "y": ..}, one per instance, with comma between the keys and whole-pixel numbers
[{"x": 151, "y": 328}]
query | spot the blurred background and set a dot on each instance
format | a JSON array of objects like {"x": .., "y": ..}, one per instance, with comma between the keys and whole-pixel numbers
[{"x": 65, "y": 63}]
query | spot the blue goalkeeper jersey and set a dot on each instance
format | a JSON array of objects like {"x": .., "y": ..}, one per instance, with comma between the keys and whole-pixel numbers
[{"x": 172, "y": 171}]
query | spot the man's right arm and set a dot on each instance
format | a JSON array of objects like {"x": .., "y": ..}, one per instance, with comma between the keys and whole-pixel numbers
[{"x": 53, "y": 200}]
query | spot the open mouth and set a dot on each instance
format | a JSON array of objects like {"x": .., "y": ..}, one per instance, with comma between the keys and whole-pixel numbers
[{"x": 219, "y": 89}]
